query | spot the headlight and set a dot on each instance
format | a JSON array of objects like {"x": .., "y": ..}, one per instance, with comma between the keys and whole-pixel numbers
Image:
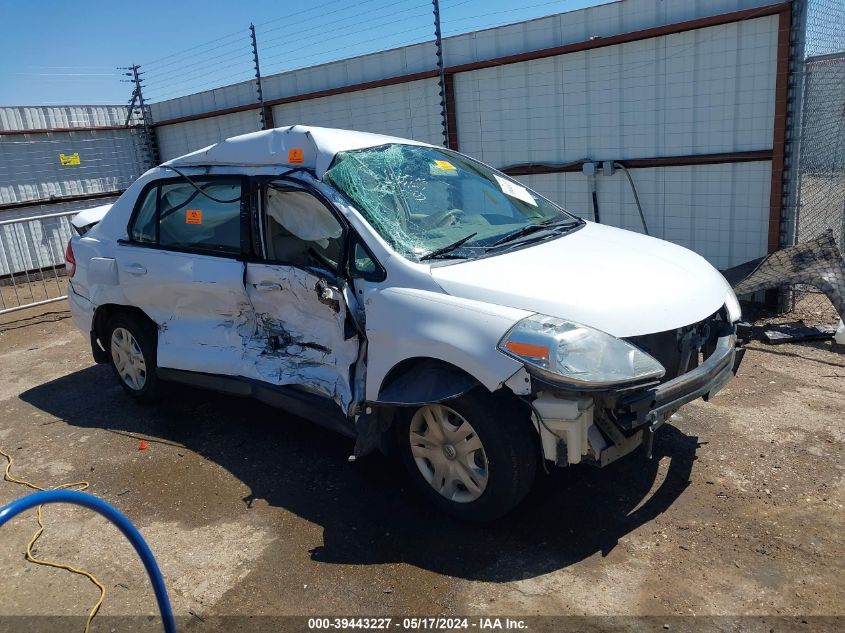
[{"x": 569, "y": 352}]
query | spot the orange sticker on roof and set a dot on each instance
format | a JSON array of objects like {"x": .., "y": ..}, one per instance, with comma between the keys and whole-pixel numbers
[
  {"x": 444, "y": 164},
  {"x": 193, "y": 216},
  {"x": 295, "y": 155}
]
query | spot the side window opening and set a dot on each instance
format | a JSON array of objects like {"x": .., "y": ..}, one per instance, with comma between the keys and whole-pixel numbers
[
  {"x": 144, "y": 226},
  {"x": 190, "y": 219},
  {"x": 178, "y": 215},
  {"x": 300, "y": 230}
]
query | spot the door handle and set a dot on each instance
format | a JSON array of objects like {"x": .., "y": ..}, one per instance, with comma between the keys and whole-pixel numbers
[
  {"x": 329, "y": 293},
  {"x": 135, "y": 269},
  {"x": 267, "y": 286}
]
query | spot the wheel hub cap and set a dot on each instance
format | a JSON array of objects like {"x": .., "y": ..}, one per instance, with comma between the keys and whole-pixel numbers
[
  {"x": 128, "y": 359},
  {"x": 448, "y": 453}
]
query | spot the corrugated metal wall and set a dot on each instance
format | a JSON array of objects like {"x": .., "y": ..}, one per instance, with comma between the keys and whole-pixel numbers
[
  {"x": 719, "y": 211},
  {"x": 699, "y": 91},
  {"x": 409, "y": 110},
  {"x": 33, "y": 138},
  {"x": 52, "y": 117},
  {"x": 554, "y": 30},
  {"x": 30, "y": 167},
  {"x": 179, "y": 139},
  {"x": 704, "y": 91},
  {"x": 35, "y": 182}
]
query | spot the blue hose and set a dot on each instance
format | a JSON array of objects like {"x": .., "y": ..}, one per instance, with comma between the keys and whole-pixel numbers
[{"x": 123, "y": 524}]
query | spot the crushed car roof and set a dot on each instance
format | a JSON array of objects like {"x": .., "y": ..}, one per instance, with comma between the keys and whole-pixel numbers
[{"x": 295, "y": 146}]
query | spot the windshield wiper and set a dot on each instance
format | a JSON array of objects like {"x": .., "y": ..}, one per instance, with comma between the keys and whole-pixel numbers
[
  {"x": 546, "y": 225},
  {"x": 446, "y": 249}
]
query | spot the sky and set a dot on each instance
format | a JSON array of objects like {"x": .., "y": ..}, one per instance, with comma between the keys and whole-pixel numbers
[{"x": 56, "y": 52}]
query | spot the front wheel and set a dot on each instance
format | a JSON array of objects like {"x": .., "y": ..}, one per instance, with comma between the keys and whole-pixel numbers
[
  {"x": 132, "y": 348},
  {"x": 475, "y": 457}
]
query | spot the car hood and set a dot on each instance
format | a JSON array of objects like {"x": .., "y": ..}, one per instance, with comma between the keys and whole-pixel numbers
[{"x": 621, "y": 282}]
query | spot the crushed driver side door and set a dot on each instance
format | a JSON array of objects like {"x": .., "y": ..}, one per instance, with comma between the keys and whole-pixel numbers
[{"x": 303, "y": 337}]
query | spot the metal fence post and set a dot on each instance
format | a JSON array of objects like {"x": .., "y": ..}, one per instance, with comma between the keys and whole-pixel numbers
[
  {"x": 438, "y": 44},
  {"x": 266, "y": 116},
  {"x": 792, "y": 152},
  {"x": 150, "y": 142}
]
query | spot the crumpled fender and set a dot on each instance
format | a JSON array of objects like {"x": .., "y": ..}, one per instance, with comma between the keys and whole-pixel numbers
[{"x": 405, "y": 323}]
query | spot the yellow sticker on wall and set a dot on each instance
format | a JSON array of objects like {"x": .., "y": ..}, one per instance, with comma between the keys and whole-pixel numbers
[
  {"x": 445, "y": 164},
  {"x": 295, "y": 156},
  {"x": 193, "y": 216},
  {"x": 69, "y": 159}
]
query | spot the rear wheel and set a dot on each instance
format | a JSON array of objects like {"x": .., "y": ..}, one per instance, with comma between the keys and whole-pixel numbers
[
  {"x": 132, "y": 347},
  {"x": 474, "y": 456}
]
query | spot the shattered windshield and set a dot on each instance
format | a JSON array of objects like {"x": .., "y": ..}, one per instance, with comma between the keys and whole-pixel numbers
[{"x": 430, "y": 203}]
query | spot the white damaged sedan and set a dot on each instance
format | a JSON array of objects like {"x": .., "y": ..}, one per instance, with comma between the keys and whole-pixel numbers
[{"x": 407, "y": 296}]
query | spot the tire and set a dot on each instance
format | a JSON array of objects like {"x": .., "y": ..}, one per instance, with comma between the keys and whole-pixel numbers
[
  {"x": 481, "y": 464},
  {"x": 132, "y": 355}
]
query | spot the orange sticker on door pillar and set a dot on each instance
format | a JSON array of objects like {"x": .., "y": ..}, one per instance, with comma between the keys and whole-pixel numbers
[
  {"x": 193, "y": 216},
  {"x": 295, "y": 156}
]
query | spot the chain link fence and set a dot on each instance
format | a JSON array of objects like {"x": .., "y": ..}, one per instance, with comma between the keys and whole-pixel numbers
[{"x": 821, "y": 150}]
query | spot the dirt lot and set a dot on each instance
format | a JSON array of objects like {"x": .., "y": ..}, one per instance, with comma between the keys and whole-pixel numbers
[{"x": 251, "y": 511}]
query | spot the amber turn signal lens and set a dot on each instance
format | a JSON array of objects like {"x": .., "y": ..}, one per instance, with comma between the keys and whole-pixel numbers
[{"x": 527, "y": 349}]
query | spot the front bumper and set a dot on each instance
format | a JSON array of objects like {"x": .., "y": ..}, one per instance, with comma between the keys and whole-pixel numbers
[
  {"x": 656, "y": 404},
  {"x": 627, "y": 420}
]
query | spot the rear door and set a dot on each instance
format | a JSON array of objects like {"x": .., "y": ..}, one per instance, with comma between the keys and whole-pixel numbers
[
  {"x": 303, "y": 336},
  {"x": 183, "y": 266}
]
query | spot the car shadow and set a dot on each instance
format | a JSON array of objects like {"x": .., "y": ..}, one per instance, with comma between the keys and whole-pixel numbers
[{"x": 368, "y": 510}]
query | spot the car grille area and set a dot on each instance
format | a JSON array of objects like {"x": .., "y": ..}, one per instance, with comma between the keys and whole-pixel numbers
[{"x": 682, "y": 349}]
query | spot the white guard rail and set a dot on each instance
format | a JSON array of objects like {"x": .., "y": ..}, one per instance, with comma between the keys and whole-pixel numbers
[{"x": 32, "y": 260}]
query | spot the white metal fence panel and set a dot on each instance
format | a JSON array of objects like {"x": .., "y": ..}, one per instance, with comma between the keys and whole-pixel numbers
[
  {"x": 32, "y": 260},
  {"x": 719, "y": 211},
  {"x": 51, "y": 208},
  {"x": 181, "y": 138},
  {"x": 408, "y": 110},
  {"x": 705, "y": 91}
]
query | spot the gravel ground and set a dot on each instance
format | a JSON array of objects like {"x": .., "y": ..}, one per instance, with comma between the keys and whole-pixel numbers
[{"x": 252, "y": 511}]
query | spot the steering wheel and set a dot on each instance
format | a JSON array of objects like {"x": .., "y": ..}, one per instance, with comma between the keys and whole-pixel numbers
[{"x": 444, "y": 218}]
